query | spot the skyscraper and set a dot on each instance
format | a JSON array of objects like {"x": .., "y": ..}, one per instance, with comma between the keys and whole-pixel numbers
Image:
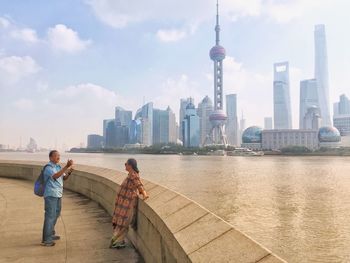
[
  {"x": 344, "y": 105},
  {"x": 145, "y": 116},
  {"x": 218, "y": 117},
  {"x": 190, "y": 127},
  {"x": 205, "y": 108},
  {"x": 268, "y": 123},
  {"x": 105, "y": 125},
  {"x": 308, "y": 98},
  {"x": 312, "y": 119},
  {"x": 164, "y": 126},
  {"x": 281, "y": 97},
  {"x": 321, "y": 74},
  {"x": 232, "y": 121},
  {"x": 183, "y": 105},
  {"x": 122, "y": 116}
]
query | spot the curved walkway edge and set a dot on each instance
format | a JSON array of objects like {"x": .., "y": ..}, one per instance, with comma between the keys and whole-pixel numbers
[{"x": 84, "y": 227}]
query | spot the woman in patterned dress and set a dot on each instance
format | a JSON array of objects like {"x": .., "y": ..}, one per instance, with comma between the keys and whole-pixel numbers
[{"x": 125, "y": 204}]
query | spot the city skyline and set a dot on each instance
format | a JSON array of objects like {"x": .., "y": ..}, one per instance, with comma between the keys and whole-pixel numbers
[{"x": 44, "y": 83}]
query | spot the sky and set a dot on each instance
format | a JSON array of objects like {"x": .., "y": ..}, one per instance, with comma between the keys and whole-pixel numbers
[{"x": 65, "y": 65}]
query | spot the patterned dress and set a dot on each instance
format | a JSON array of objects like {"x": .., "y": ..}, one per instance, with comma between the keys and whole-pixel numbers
[{"x": 125, "y": 204}]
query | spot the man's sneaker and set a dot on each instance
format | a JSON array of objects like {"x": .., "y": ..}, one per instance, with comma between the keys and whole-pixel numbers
[
  {"x": 50, "y": 244},
  {"x": 54, "y": 237}
]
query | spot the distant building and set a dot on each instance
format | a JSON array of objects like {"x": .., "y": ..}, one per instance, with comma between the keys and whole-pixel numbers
[
  {"x": 123, "y": 117},
  {"x": 308, "y": 98},
  {"x": 278, "y": 139},
  {"x": 105, "y": 125},
  {"x": 268, "y": 123},
  {"x": 342, "y": 123},
  {"x": 252, "y": 138},
  {"x": 95, "y": 141},
  {"x": 164, "y": 126},
  {"x": 242, "y": 127},
  {"x": 344, "y": 105},
  {"x": 329, "y": 137},
  {"x": 183, "y": 105},
  {"x": 232, "y": 121},
  {"x": 32, "y": 145},
  {"x": 145, "y": 131},
  {"x": 321, "y": 73},
  {"x": 281, "y": 96},
  {"x": 190, "y": 127},
  {"x": 111, "y": 138},
  {"x": 205, "y": 108},
  {"x": 312, "y": 119}
]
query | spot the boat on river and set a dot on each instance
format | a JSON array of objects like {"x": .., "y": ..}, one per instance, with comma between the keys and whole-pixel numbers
[{"x": 244, "y": 152}]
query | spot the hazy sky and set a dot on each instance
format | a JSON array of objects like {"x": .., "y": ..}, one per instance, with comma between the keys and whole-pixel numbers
[{"x": 65, "y": 65}]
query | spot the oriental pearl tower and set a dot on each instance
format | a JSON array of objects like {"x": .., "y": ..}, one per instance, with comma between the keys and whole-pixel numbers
[{"x": 217, "y": 117}]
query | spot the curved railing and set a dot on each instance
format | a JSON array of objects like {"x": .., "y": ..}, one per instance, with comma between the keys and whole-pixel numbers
[{"x": 170, "y": 227}]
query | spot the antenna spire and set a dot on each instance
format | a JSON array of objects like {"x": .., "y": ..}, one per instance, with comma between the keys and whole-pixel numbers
[{"x": 217, "y": 27}]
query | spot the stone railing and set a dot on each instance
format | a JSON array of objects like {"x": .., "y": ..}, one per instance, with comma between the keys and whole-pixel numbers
[{"x": 170, "y": 227}]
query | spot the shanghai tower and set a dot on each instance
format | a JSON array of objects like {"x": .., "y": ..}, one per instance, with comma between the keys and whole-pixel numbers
[
  {"x": 321, "y": 74},
  {"x": 218, "y": 117}
]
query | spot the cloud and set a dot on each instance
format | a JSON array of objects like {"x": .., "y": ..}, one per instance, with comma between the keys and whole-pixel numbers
[
  {"x": 23, "y": 104},
  {"x": 119, "y": 13},
  {"x": 25, "y": 34},
  {"x": 4, "y": 23},
  {"x": 62, "y": 38},
  {"x": 14, "y": 69},
  {"x": 170, "y": 35}
]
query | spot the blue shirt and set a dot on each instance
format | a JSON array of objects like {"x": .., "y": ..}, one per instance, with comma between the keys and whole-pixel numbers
[{"x": 53, "y": 187}]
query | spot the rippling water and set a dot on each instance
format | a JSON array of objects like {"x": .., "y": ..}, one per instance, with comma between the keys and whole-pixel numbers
[{"x": 298, "y": 207}]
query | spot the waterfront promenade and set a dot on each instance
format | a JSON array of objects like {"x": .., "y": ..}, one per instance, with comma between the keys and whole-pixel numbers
[
  {"x": 170, "y": 227},
  {"x": 84, "y": 227}
]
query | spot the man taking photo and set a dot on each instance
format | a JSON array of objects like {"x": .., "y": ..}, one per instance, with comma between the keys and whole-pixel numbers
[{"x": 54, "y": 175}]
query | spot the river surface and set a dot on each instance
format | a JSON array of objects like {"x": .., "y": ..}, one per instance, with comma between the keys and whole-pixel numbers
[{"x": 298, "y": 207}]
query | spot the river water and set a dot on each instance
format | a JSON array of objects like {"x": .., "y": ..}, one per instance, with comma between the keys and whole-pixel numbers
[{"x": 298, "y": 207}]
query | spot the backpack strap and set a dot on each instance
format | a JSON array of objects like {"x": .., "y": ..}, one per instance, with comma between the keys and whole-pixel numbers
[{"x": 42, "y": 173}]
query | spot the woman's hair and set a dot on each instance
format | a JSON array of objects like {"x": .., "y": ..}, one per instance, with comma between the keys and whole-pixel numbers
[{"x": 133, "y": 163}]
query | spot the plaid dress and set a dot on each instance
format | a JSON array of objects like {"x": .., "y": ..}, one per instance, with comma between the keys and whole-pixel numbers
[{"x": 126, "y": 201}]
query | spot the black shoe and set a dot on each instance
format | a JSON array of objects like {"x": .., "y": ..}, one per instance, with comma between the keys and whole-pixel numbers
[{"x": 54, "y": 237}]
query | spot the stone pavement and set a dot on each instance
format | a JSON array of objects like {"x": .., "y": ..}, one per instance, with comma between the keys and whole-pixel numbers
[{"x": 84, "y": 227}]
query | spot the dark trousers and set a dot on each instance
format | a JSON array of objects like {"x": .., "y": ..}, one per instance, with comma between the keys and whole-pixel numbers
[{"x": 52, "y": 212}]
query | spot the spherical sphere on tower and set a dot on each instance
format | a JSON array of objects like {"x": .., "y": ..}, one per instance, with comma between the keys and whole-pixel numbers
[
  {"x": 217, "y": 117},
  {"x": 217, "y": 53}
]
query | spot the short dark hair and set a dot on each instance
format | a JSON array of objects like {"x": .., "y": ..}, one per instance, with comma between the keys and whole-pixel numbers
[{"x": 52, "y": 153}]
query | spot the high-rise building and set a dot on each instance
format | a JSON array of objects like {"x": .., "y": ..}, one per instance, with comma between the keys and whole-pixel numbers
[
  {"x": 111, "y": 138},
  {"x": 335, "y": 108},
  {"x": 268, "y": 123},
  {"x": 164, "y": 126},
  {"x": 95, "y": 141},
  {"x": 105, "y": 124},
  {"x": 242, "y": 127},
  {"x": 344, "y": 105},
  {"x": 183, "y": 105},
  {"x": 321, "y": 74},
  {"x": 312, "y": 119},
  {"x": 281, "y": 97},
  {"x": 232, "y": 121},
  {"x": 190, "y": 127},
  {"x": 123, "y": 117},
  {"x": 145, "y": 116},
  {"x": 308, "y": 98},
  {"x": 218, "y": 117},
  {"x": 205, "y": 108}
]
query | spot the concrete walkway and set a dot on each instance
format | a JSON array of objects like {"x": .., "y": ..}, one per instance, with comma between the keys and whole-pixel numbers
[{"x": 84, "y": 227}]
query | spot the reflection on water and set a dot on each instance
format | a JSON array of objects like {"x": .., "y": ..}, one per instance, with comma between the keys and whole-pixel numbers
[{"x": 298, "y": 207}]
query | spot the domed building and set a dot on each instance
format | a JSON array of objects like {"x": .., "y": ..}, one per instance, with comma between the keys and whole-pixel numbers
[
  {"x": 329, "y": 137},
  {"x": 252, "y": 138}
]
